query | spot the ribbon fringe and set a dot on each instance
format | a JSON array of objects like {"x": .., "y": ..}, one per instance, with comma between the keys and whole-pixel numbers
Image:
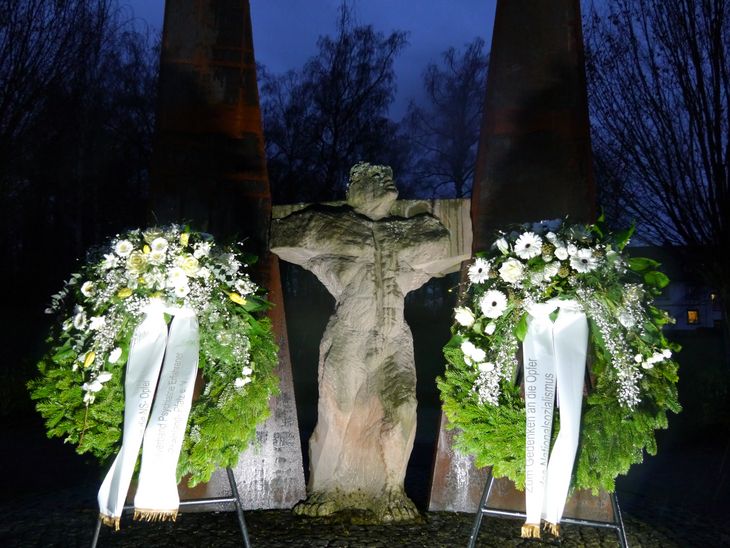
[
  {"x": 552, "y": 528},
  {"x": 530, "y": 530},
  {"x": 144, "y": 514},
  {"x": 110, "y": 521}
]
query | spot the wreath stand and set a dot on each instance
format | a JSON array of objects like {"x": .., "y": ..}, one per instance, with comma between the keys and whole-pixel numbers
[
  {"x": 617, "y": 524},
  {"x": 234, "y": 498}
]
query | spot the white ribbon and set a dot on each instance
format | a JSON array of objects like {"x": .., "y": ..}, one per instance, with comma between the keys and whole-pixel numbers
[
  {"x": 157, "y": 496},
  {"x": 554, "y": 362}
]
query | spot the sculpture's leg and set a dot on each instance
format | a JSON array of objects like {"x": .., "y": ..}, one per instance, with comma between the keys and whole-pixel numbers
[{"x": 398, "y": 429}]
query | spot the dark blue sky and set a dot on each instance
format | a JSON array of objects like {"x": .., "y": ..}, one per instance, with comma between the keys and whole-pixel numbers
[{"x": 286, "y": 31}]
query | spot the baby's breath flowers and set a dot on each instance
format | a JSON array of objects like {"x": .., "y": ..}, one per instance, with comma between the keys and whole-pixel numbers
[
  {"x": 630, "y": 359},
  {"x": 99, "y": 308}
]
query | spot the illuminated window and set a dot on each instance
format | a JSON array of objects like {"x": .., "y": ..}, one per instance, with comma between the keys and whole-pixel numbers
[{"x": 693, "y": 316}]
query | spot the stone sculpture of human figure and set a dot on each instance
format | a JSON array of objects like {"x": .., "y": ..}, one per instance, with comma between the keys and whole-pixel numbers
[{"x": 369, "y": 261}]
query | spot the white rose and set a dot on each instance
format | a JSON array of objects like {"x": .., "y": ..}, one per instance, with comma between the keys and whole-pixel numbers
[
  {"x": 246, "y": 371},
  {"x": 561, "y": 253},
  {"x": 490, "y": 328},
  {"x": 550, "y": 271},
  {"x": 511, "y": 271},
  {"x": 551, "y": 237},
  {"x": 667, "y": 353},
  {"x": 464, "y": 316},
  {"x": 572, "y": 249},
  {"x": 638, "y": 358},
  {"x": 114, "y": 355},
  {"x": 87, "y": 289},
  {"x": 240, "y": 383},
  {"x": 123, "y": 248}
]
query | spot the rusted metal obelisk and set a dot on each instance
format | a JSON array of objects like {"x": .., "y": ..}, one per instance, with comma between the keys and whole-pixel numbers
[
  {"x": 534, "y": 163},
  {"x": 209, "y": 168}
]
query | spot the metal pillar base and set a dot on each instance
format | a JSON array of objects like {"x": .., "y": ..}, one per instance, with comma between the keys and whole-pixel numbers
[
  {"x": 235, "y": 499},
  {"x": 617, "y": 524}
]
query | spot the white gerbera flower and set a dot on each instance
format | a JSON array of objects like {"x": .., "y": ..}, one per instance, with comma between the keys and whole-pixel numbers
[
  {"x": 511, "y": 271},
  {"x": 87, "y": 289},
  {"x": 97, "y": 322},
  {"x": 464, "y": 316},
  {"x": 561, "y": 253},
  {"x": 114, "y": 355},
  {"x": 583, "y": 260},
  {"x": 528, "y": 245},
  {"x": 472, "y": 354},
  {"x": 479, "y": 271},
  {"x": 503, "y": 246},
  {"x": 123, "y": 248},
  {"x": 493, "y": 303},
  {"x": 159, "y": 245}
]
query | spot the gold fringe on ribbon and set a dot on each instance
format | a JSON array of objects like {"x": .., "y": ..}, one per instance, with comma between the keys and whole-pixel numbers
[
  {"x": 530, "y": 530},
  {"x": 110, "y": 521},
  {"x": 145, "y": 514},
  {"x": 552, "y": 528}
]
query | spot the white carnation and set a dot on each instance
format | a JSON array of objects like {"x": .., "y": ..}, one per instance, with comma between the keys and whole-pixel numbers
[
  {"x": 97, "y": 322},
  {"x": 550, "y": 271},
  {"x": 182, "y": 290},
  {"x": 176, "y": 277}
]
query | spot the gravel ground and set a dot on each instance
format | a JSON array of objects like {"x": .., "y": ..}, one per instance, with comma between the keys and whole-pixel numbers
[{"x": 66, "y": 518}]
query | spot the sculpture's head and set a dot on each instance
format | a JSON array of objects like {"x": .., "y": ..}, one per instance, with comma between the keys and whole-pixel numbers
[{"x": 371, "y": 191}]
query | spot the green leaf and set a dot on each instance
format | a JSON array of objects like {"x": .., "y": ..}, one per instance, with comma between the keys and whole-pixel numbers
[
  {"x": 521, "y": 328},
  {"x": 657, "y": 279},
  {"x": 639, "y": 264},
  {"x": 622, "y": 238}
]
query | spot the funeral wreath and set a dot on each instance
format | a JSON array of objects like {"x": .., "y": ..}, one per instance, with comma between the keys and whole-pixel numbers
[
  {"x": 631, "y": 368},
  {"x": 80, "y": 390}
]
